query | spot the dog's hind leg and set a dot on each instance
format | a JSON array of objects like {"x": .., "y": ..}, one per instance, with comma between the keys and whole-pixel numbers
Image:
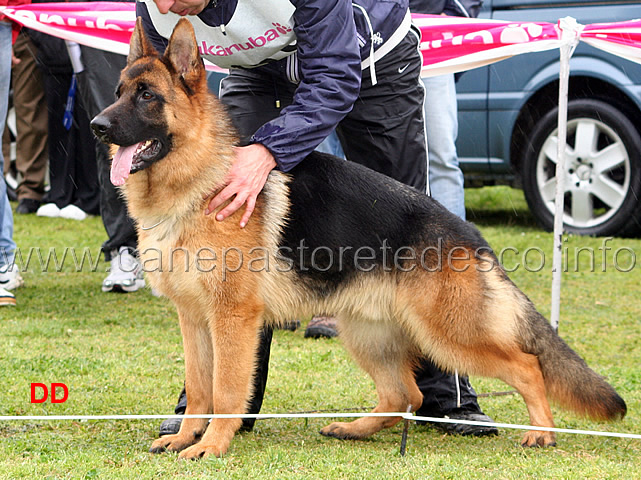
[
  {"x": 385, "y": 352},
  {"x": 498, "y": 357},
  {"x": 523, "y": 372},
  {"x": 198, "y": 383}
]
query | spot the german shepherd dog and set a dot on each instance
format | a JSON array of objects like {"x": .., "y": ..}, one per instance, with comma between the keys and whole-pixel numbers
[{"x": 404, "y": 277}]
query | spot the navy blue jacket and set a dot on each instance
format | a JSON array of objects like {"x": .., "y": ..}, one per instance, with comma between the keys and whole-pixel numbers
[{"x": 334, "y": 40}]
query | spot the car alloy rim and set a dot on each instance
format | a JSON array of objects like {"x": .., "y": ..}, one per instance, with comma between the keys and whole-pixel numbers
[{"x": 597, "y": 172}]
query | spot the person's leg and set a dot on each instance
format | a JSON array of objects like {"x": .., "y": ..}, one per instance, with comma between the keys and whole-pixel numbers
[
  {"x": 331, "y": 145},
  {"x": 441, "y": 122},
  {"x": 7, "y": 245},
  {"x": 445, "y": 394},
  {"x": 253, "y": 99},
  {"x": 31, "y": 125},
  {"x": 385, "y": 130},
  {"x": 56, "y": 90},
  {"x": 452, "y": 396},
  {"x": 85, "y": 172},
  {"x": 97, "y": 86}
]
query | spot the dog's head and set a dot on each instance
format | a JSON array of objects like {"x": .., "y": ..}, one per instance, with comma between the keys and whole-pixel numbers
[{"x": 154, "y": 94}]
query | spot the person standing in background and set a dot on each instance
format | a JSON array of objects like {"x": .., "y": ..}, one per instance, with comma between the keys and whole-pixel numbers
[
  {"x": 31, "y": 126},
  {"x": 73, "y": 174},
  {"x": 9, "y": 276},
  {"x": 97, "y": 86}
]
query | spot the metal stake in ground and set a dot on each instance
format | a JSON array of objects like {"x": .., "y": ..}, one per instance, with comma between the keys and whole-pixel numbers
[{"x": 406, "y": 428}]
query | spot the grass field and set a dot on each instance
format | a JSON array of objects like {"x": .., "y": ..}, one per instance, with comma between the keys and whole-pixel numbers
[{"x": 122, "y": 354}]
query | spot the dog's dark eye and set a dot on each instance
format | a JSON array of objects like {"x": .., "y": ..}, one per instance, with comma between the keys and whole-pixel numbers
[{"x": 146, "y": 95}]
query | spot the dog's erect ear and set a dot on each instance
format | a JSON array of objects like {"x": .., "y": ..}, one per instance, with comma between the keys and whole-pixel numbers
[
  {"x": 139, "y": 45},
  {"x": 182, "y": 52}
]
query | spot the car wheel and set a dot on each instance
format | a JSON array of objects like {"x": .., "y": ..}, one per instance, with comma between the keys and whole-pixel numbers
[{"x": 603, "y": 170}]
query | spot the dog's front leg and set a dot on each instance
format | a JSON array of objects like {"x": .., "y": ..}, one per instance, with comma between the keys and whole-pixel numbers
[
  {"x": 234, "y": 336},
  {"x": 199, "y": 355}
]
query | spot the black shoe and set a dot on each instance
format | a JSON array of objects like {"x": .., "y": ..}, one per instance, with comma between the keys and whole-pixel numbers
[
  {"x": 321, "y": 327},
  {"x": 292, "y": 325},
  {"x": 462, "y": 428},
  {"x": 170, "y": 426},
  {"x": 27, "y": 205},
  {"x": 11, "y": 193}
]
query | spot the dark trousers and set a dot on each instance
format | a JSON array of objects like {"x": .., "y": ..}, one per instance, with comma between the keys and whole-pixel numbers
[
  {"x": 31, "y": 121},
  {"x": 385, "y": 132},
  {"x": 72, "y": 157},
  {"x": 97, "y": 87}
]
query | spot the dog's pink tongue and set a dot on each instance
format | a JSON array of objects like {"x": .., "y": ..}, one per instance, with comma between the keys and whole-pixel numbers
[{"x": 121, "y": 164}]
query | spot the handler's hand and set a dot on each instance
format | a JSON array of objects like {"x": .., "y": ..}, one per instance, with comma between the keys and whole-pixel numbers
[{"x": 244, "y": 181}]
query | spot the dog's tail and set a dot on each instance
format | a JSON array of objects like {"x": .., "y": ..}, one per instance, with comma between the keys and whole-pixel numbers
[{"x": 569, "y": 382}]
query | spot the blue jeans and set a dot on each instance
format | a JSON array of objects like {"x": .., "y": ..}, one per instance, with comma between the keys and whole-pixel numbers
[
  {"x": 7, "y": 245},
  {"x": 332, "y": 145},
  {"x": 441, "y": 123}
]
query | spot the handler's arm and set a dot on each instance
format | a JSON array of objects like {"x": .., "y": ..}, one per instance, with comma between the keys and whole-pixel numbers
[
  {"x": 329, "y": 59},
  {"x": 245, "y": 180}
]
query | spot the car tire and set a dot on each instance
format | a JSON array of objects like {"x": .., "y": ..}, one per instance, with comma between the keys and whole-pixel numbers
[{"x": 603, "y": 170}]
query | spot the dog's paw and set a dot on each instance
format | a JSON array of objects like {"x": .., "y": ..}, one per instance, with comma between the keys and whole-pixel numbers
[
  {"x": 170, "y": 443},
  {"x": 202, "y": 451},
  {"x": 535, "y": 438},
  {"x": 342, "y": 430}
]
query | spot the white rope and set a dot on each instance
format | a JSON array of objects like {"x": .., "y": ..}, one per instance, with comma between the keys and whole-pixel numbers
[
  {"x": 403, "y": 415},
  {"x": 528, "y": 427},
  {"x": 209, "y": 415}
]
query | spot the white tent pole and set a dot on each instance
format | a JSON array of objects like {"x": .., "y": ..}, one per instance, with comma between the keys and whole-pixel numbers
[{"x": 570, "y": 32}]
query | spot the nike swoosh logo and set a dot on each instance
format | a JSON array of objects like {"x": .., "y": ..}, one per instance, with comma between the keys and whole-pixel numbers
[{"x": 402, "y": 69}]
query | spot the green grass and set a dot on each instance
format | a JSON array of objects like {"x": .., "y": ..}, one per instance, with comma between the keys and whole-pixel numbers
[{"x": 122, "y": 354}]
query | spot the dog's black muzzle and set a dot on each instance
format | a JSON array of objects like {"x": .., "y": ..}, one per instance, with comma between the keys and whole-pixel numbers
[{"x": 101, "y": 126}]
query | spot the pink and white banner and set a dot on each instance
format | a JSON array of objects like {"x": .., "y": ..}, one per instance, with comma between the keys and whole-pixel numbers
[
  {"x": 449, "y": 44},
  {"x": 103, "y": 25},
  {"x": 453, "y": 44}
]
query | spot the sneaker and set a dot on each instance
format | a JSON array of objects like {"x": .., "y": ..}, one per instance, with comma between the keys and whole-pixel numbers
[
  {"x": 321, "y": 327},
  {"x": 125, "y": 274},
  {"x": 10, "y": 277},
  {"x": 462, "y": 428},
  {"x": 6, "y": 298},
  {"x": 27, "y": 205},
  {"x": 73, "y": 213},
  {"x": 48, "y": 210}
]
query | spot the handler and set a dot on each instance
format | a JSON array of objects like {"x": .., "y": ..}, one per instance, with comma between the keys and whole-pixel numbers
[{"x": 297, "y": 71}]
